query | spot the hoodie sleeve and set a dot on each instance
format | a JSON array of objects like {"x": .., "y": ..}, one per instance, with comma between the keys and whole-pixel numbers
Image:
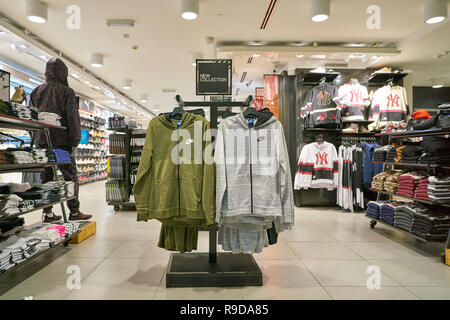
[
  {"x": 305, "y": 166},
  {"x": 287, "y": 196},
  {"x": 142, "y": 185},
  {"x": 221, "y": 174},
  {"x": 72, "y": 118},
  {"x": 208, "y": 188}
]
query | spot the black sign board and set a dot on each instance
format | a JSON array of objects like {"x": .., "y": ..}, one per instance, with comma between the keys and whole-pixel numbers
[{"x": 214, "y": 76}]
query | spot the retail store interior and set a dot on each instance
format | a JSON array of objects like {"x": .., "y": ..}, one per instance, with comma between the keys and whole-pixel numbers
[{"x": 314, "y": 137}]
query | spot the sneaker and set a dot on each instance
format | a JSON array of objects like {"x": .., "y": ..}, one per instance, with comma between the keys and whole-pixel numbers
[
  {"x": 51, "y": 219},
  {"x": 80, "y": 216},
  {"x": 364, "y": 129}
]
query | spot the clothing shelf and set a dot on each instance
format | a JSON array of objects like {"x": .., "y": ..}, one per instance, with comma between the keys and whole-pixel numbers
[
  {"x": 413, "y": 199},
  {"x": 10, "y": 122},
  {"x": 376, "y": 221},
  {"x": 379, "y": 79},
  {"x": 415, "y": 165},
  {"x": 22, "y": 167},
  {"x": 37, "y": 208},
  {"x": 415, "y": 133}
]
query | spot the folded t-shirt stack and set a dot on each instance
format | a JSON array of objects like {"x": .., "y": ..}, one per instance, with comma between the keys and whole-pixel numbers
[
  {"x": 9, "y": 204},
  {"x": 388, "y": 211},
  {"x": 391, "y": 181},
  {"x": 378, "y": 181},
  {"x": 50, "y": 118},
  {"x": 5, "y": 261},
  {"x": 21, "y": 111},
  {"x": 379, "y": 155},
  {"x": 40, "y": 155},
  {"x": 391, "y": 154},
  {"x": 433, "y": 158},
  {"x": 433, "y": 189},
  {"x": 411, "y": 154},
  {"x": 404, "y": 217},
  {"x": 431, "y": 226},
  {"x": 22, "y": 155},
  {"x": 373, "y": 209},
  {"x": 407, "y": 182}
]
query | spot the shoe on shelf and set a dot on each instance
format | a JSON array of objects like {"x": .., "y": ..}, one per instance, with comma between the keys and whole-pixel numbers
[
  {"x": 80, "y": 216},
  {"x": 50, "y": 219},
  {"x": 350, "y": 127},
  {"x": 363, "y": 129}
]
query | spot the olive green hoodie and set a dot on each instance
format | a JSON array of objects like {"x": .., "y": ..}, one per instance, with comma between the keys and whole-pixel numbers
[{"x": 176, "y": 194}]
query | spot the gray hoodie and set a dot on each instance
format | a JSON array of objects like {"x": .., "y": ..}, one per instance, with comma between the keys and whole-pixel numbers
[{"x": 253, "y": 186}]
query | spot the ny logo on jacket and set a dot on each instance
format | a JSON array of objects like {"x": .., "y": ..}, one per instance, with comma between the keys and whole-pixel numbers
[{"x": 322, "y": 157}]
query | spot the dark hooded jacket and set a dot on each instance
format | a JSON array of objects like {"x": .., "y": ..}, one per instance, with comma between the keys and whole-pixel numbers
[{"x": 55, "y": 96}]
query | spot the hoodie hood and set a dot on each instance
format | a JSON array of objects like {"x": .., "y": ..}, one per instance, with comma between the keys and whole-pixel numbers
[
  {"x": 263, "y": 119},
  {"x": 187, "y": 119},
  {"x": 56, "y": 70}
]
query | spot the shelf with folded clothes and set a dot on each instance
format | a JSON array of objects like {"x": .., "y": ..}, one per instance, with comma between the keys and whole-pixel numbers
[
  {"x": 401, "y": 230},
  {"x": 413, "y": 199},
  {"x": 64, "y": 240},
  {"x": 381, "y": 78},
  {"x": 17, "y": 123},
  {"x": 415, "y": 165},
  {"x": 416, "y": 133},
  {"x": 37, "y": 208},
  {"x": 6, "y": 168}
]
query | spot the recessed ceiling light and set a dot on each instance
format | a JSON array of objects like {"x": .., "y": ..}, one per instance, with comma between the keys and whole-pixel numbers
[
  {"x": 189, "y": 9},
  {"x": 256, "y": 55},
  {"x": 436, "y": 83},
  {"x": 437, "y": 86},
  {"x": 144, "y": 98},
  {"x": 75, "y": 75},
  {"x": 23, "y": 46},
  {"x": 2, "y": 32},
  {"x": 318, "y": 56},
  {"x": 36, "y": 11},
  {"x": 120, "y": 22},
  {"x": 299, "y": 55},
  {"x": 126, "y": 84},
  {"x": 96, "y": 60},
  {"x": 319, "y": 10},
  {"x": 13, "y": 46},
  {"x": 435, "y": 11}
]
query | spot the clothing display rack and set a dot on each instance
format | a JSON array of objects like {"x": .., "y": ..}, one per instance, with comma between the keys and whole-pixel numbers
[
  {"x": 127, "y": 202},
  {"x": 29, "y": 125},
  {"x": 212, "y": 269},
  {"x": 433, "y": 168}
]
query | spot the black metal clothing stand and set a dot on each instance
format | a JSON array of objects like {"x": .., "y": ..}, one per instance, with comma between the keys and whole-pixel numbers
[{"x": 212, "y": 269}]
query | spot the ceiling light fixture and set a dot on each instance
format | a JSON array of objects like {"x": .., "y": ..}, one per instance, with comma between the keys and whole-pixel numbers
[
  {"x": 13, "y": 46},
  {"x": 299, "y": 55},
  {"x": 436, "y": 84},
  {"x": 144, "y": 98},
  {"x": 435, "y": 11},
  {"x": 96, "y": 60},
  {"x": 126, "y": 85},
  {"x": 36, "y": 11},
  {"x": 189, "y": 9},
  {"x": 319, "y": 56},
  {"x": 120, "y": 22},
  {"x": 194, "y": 56},
  {"x": 256, "y": 55},
  {"x": 319, "y": 10},
  {"x": 2, "y": 32}
]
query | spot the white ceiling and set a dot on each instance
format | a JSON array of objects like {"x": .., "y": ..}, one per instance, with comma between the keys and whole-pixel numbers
[{"x": 165, "y": 40}]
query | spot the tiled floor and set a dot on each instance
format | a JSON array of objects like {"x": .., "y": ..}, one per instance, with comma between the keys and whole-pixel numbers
[{"x": 325, "y": 256}]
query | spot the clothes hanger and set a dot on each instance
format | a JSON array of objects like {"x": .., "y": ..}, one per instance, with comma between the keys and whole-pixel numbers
[
  {"x": 250, "y": 112},
  {"x": 322, "y": 81},
  {"x": 178, "y": 111},
  {"x": 319, "y": 138}
]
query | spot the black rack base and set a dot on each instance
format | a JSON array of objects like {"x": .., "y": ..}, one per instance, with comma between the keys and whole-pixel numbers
[{"x": 194, "y": 270}]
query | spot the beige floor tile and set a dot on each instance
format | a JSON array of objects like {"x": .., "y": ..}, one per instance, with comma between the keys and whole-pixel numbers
[
  {"x": 356, "y": 234},
  {"x": 343, "y": 273},
  {"x": 144, "y": 234},
  {"x": 273, "y": 292},
  {"x": 56, "y": 272},
  {"x": 323, "y": 250},
  {"x": 426, "y": 272},
  {"x": 164, "y": 293},
  {"x": 140, "y": 249},
  {"x": 431, "y": 293},
  {"x": 281, "y": 250},
  {"x": 41, "y": 291},
  {"x": 382, "y": 250},
  {"x": 105, "y": 292},
  {"x": 90, "y": 248},
  {"x": 363, "y": 293},
  {"x": 286, "y": 273},
  {"x": 113, "y": 271},
  {"x": 116, "y": 233},
  {"x": 307, "y": 234}
]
